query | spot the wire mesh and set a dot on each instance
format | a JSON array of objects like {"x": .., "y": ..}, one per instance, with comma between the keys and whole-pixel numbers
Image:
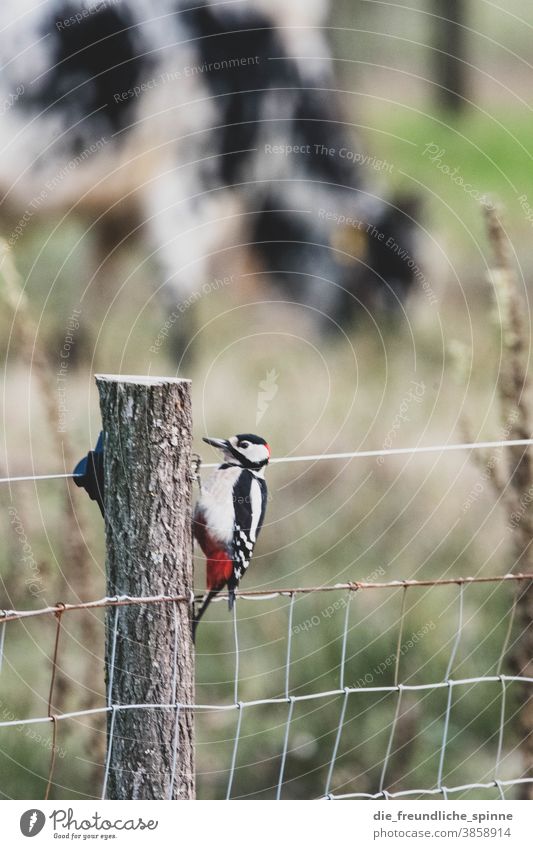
[{"x": 290, "y": 699}]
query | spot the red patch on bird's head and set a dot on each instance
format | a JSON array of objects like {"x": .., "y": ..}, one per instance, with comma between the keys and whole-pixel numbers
[{"x": 267, "y": 446}]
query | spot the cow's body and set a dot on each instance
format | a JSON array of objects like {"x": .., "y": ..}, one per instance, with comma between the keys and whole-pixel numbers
[{"x": 216, "y": 123}]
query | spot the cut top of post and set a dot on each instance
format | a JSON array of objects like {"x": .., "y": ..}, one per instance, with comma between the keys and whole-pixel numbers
[{"x": 141, "y": 379}]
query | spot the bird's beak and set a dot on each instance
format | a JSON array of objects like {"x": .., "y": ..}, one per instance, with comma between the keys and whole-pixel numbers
[{"x": 221, "y": 444}]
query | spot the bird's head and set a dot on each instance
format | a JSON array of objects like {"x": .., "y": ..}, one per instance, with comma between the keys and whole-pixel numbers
[{"x": 244, "y": 449}]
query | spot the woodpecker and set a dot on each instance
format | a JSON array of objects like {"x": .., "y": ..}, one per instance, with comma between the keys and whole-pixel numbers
[{"x": 229, "y": 513}]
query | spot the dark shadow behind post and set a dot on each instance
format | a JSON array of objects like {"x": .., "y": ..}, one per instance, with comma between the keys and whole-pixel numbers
[
  {"x": 450, "y": 54},
  {"x": 147, "y": 424}
]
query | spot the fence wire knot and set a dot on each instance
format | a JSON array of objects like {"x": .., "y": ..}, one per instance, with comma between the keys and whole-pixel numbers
[{"x": 60, "y": 608}]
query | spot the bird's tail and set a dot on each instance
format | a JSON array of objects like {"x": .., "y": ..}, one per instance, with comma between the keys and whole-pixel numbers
[{"x": 201, "y": 610}]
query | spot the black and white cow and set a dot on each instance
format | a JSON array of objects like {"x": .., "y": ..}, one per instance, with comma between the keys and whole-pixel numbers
[{"x": 210, "y": 124}]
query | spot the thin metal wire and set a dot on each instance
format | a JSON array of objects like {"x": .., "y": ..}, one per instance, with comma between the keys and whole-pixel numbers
[
  {"x": 450, "y": 684},
  {"x": 253, "y": 595},
  {"x": 250, "y": 595},
  {"x": 234, "y": 753},
  {"x": 501, "y": 732},
  {"x": 344, "y": 641},
  {"x": 175, "y": 746},
  {"x": 337, "y": 742},
  {"x": 292, "y": 700},
  {"x": 2, "y": 644},
  {"x": 326, "y": 694},
  {"x": 174, "y": 653},
  {"x": 509, "y": 631},
  {"x": 112, "y": 662},
  {"x": 110, "y": 705},
  {"x": 175, "y": 739},
  {"x": 50, "y": 712},
  {"x": 391, "y": 738},
  {"x": 54, "y": 661},
  {"x": 107, "y": 601},
  {"x": 434, "y": 791},
  {"x": 453, "y": 653},
  {"x": 345, "y": 455},
  {"x": 236, "y": 640},
  {"x": 400, "y": 635},
  {"x": 289, "y": 645},
  {"x": 394, "y": 452},
  {"x": 114, "y": 709},
  {"x": 18, "y": 478},
  {"x": 53, "y": 758}
]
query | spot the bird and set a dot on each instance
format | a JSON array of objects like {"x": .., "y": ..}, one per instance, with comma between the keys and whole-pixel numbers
[{"x": 229, "y": 514}]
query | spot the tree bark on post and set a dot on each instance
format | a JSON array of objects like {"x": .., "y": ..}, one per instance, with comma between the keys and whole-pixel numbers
[{"x": 147, "y": 424}]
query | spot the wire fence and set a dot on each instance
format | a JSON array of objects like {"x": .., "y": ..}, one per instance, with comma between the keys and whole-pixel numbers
[
  {"x": 343, "y": 455},
  {"x": 342, "y": 692},
  {"x": 291, "y": 696}
]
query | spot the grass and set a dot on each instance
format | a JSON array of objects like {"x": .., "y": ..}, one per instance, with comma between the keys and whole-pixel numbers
[{"x": 492, "y": 152}]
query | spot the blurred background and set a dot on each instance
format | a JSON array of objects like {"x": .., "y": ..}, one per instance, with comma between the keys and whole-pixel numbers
[{"x": 446, "y": 106}]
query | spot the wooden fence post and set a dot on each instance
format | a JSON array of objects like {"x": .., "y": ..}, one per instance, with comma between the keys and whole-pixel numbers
[{"x": 147, "y": 426}]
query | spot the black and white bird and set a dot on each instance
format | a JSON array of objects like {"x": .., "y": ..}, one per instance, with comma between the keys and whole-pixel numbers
[{"x": 229, "y": 513}]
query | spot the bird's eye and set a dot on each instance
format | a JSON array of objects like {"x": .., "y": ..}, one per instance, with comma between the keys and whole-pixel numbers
[{"x": 245, "y": 444}]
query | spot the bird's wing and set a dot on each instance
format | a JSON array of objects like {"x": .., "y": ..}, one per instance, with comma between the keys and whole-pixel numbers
[{"x": 249, "y": 514}]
